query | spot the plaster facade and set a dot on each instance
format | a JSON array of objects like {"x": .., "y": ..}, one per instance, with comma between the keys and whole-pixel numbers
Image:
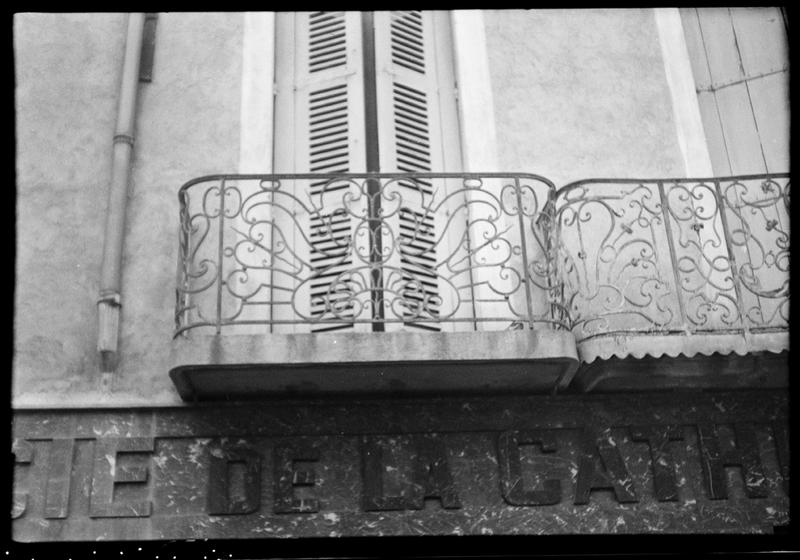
[
  {"x": 187, "y": 126},
  {"x": 581, "y": 93},
  {"x": 65, "y": 123}
]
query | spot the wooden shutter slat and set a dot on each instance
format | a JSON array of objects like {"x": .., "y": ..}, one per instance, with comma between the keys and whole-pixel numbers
[
  {"x": 771, "y": 106},
  {"x": 410, "y": 77},
  {"x": 738, "y": 57},
  {"x": 695, "y": 45},
  {"x": 761, "y": 38},
  {"x": 713, "y": 130},
  {"x": 739, "y": 128},
  {"x": 720, "y": 45}
]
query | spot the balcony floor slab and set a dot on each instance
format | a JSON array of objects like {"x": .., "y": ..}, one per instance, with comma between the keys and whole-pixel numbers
[{"x": 230, "y": 366}]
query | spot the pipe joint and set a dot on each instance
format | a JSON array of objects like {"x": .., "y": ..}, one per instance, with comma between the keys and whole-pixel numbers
[
  {"x": 123, "y": 139},
  {"x": 112, "y": 299}
]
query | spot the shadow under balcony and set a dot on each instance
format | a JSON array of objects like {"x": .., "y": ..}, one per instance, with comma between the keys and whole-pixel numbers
[{"x": 373, "y": 283}]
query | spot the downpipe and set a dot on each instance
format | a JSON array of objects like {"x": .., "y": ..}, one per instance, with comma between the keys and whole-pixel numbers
[{"x": 110, "y": 302}]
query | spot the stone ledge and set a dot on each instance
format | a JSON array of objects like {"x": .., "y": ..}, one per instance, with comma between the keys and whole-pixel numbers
[{"x": 230, "y": 366}]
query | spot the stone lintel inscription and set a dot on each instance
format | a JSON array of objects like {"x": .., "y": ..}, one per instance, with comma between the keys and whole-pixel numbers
[{"x": 189, "y": 478}]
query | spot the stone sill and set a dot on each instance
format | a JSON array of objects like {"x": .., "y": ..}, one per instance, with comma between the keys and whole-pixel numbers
[{"x": 238, "y": 366}]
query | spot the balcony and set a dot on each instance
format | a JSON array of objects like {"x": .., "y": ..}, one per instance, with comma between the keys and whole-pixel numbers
[
  {"x": 431, "y": 282},
  {"x": 664, "y": 270}
]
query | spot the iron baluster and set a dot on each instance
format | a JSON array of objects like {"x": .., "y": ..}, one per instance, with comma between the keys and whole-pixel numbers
[
  {"x": 523, "y": 246},
  {"x": 220, "y": 254},
  {"x": 731, "y": 257},
  {"x": 672, "y": 255}
]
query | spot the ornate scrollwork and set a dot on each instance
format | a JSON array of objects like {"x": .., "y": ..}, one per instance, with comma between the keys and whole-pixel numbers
[
  {"x": 336, "y": 250},
  {"x": 503, "y": 250},
  {"x": 672, "y": 256}
]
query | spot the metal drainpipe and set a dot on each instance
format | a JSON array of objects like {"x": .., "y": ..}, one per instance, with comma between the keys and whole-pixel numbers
[{"x": 109, "y": 304}]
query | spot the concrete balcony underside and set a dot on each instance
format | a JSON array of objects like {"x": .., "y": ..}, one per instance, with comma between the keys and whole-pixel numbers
[
  {"x": 714, "y": 360},
  {"x": 240, "y": 367},
  {"x": 250, "y": 366},
  {"x": 756, "y": 370}
]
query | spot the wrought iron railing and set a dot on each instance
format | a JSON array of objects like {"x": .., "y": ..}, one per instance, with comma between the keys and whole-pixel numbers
[
  {"x": 367, "y": 251},
  {"x": 675, "y": 256},
  {"x": 483, "y": 251}
]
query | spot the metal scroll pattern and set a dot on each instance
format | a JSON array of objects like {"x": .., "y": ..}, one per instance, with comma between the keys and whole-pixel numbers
[
  {"x": 491, "y": 251},
  {"x": 675, "y": 256},
  {"x": 429, "y": 250}
]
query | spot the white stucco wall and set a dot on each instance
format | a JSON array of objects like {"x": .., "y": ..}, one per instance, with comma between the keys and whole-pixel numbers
[
  {"x": 68, "y": 70},
  {"x": 581, "y": 93}
]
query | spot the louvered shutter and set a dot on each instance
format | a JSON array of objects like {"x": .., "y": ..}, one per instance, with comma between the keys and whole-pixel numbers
[
  {"x": 319, "y": 128},
  {"x": 417, "y": 124}
]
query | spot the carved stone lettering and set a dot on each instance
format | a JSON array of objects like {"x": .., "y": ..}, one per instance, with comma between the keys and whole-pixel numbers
[
  {"x": 220, "y": 501},
  {"x": 310, "y": 468},
  {"x": 287, "y": 477},
  {"x": 601, "y": 467},
  {"x": 59, "y": 471},
  {"x": 657, "y": 439},
  {"x": 23, "y": 455},
  {"x": 432, "y": 476},
  {"x": 781, "y": 433},
  {"x": 372, "y": 478},
  {"x": 742, "y": 453},
  {"x": 511, "y": 484},
  {"x": 107, "y": 473}
]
